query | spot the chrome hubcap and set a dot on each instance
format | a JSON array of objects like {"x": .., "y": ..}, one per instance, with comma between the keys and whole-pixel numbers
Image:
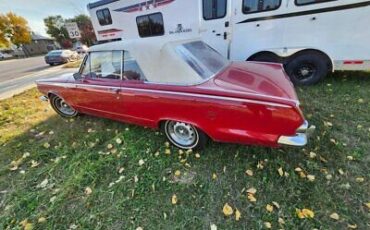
[
  {"x": 182, "y": 134},
  {"x": 63, "y": 107},
  {"x": 305, "y": 71}
]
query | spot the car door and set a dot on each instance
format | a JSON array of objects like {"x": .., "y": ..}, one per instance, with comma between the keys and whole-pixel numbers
[
  {"x": 215, "y": 27},
  {"x": 99, "y": 88}
]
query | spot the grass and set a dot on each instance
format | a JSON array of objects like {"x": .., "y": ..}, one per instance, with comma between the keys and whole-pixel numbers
[{"x": 125, "y": 194}]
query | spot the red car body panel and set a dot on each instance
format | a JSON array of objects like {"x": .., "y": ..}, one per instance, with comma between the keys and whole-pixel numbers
[{"x": 247, "y": 103}]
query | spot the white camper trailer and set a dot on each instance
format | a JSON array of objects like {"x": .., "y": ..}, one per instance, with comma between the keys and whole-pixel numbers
[{"x": 309, "y": 37}]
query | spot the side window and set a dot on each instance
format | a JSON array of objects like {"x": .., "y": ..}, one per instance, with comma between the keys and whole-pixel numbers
[
  {"x": 214, "y": 9},
  {"x": 106, "y": 65},
  {"x": 104, "y": 17},
  {"x": 131, "y": 70},
  {"x": 150, "y": 25},
  {"x": 255, "y": 6},
  {"x": 306, "y": 2}
]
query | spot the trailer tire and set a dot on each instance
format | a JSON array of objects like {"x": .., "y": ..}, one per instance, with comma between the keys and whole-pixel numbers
[{"x": 307, "y": 68}]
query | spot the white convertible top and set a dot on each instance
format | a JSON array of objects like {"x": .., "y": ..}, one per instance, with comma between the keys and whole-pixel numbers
[{"x": 157, "y": 58}]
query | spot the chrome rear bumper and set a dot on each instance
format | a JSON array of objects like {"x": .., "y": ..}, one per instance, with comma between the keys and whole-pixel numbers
[{"x": 301, "y": 137}]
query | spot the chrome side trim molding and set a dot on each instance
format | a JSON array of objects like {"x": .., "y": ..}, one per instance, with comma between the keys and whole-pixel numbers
[
  {"x": 44, "y": 98},
  {"x": 71, "y": 85}
]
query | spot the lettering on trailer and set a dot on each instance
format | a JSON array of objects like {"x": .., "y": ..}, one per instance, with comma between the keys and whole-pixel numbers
[
  {"x": 180, "y": 29},
  {"x": 147, "y": 5},
  {"x": 109, "y": 32},
  {"x": 308, "y": 12}
]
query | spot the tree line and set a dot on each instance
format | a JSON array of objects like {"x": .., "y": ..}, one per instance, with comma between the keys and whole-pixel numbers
[{"x": 14, "y": 30}]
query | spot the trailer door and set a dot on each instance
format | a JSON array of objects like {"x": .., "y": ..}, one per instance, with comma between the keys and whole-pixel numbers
[{"x": 215, "y": 24}]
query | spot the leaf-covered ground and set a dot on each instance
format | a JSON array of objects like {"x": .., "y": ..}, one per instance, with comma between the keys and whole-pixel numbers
[{"x": 92, "y": 173}]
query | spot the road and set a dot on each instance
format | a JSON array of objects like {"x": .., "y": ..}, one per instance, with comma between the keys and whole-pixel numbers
[{"x": 19, "y": 75}]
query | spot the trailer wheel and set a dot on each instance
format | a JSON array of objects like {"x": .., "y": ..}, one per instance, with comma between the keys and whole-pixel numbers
[{"x": 307, "y": 68}]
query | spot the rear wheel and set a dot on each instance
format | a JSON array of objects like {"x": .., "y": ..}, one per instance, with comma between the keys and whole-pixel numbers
[
  {"x": 184, "y": 135},
  {"x": 307, "y": 68},
  {"x": 62, "y": 108}
]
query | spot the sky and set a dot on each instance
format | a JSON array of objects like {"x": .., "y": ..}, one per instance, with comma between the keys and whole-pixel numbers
[{"x": 36, "y": 10}]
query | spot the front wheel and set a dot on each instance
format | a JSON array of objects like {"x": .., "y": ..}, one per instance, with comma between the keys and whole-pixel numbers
[
  {"x": 308, "y": 68},
  {"x": 62, "y": 108},
  {"x": 184, "y": 135}
]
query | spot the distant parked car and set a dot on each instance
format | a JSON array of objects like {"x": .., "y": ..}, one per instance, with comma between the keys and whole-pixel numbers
[
  {"x": 82, "y": 49},
  {"x": 60, "y": 57},
  {"x": 4, "y": 56}
]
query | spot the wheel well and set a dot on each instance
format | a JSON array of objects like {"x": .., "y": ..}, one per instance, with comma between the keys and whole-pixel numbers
[
  {"x": 51, "y": 95},
  {"x": 312, "y": 51},
  {"x": 269, "y": 54}
]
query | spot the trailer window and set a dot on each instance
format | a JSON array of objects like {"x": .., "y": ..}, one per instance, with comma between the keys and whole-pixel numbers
[
  {"x": 150, "y": 25},
  {"x": 104, "y": 17},
  {"x": 255, "y": 6},
  {"x": 214, "y": 9},
  {"x": 306, "y": 2}
]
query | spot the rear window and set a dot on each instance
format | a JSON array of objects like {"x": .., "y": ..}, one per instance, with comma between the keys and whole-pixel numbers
[{"x": 202, "y": 58}]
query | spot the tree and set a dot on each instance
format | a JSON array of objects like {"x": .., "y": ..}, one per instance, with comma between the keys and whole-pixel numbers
[
  {"x": 87, "y": 31},
  {"x": 13, "y": 29},
  {"x": 55, "y": 28}
]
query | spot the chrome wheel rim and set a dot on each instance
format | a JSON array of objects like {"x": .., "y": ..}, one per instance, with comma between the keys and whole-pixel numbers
[
  {"x": 181, "y": 134},
  {"x": 63, "y": 107}
]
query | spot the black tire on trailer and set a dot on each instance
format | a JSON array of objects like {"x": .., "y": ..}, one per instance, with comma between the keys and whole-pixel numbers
[{"x": 307, "y": 68}]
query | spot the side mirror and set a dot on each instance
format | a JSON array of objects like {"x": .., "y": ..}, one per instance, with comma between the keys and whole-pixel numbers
[{"x": 77, "y": 75}]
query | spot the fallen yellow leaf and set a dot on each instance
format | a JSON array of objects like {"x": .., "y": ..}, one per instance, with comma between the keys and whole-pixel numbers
[
  {"x": 276, "y": 204},
  {"x": 249, "y": 172},
  {"x": 281, "y": 220},
  {"x": 281, "y": 172},
  {"x": 268, "y": 225},
  {"x": 269, "y": 208},
  {"x": 237, "y": 215},
  {"x": 177, "y": 173},
  {"x": 312, "y": 155},
  {"x": 360, "y": 179},
  {"x": 109, "y": 146},
  {"x": 305, "y": 213},
  {"x": 118, "y": 141},
  {"x": 367, "y": 205},
  {"x": 88, "y": 190},
  {"x": 167, "y": 151},
  {"x": 227, "y": 210},
  {"x": 41, "y": 220},
  {"x": 28, "y": 226},
  {"x": 214, "y": 176},
  {"x": 252, "y": 191},
  {"x": 167, "y": 144},
  {"x": 298, "y": 169},
  {"x": 213, "y": 227},
  {"x": 251, "y": 197},
  {"x": 174, "y": 199},
  {"x": 311, "y": 177},
  {"x": 352, "y": 226},
  {"x": 46, "y": 145},
  {"x": 302, "y": 174},
  {"x": 334, "y": 216}
]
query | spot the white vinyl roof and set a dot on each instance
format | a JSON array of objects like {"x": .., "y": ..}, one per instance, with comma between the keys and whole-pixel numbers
[{"x": 157, "y": 58}]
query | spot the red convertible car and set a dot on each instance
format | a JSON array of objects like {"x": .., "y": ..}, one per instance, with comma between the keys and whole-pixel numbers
[{"x": 185, "y": 88}]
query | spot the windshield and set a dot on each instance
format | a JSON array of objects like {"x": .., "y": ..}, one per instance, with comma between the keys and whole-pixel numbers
[{"x": 202, "y": 58}]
